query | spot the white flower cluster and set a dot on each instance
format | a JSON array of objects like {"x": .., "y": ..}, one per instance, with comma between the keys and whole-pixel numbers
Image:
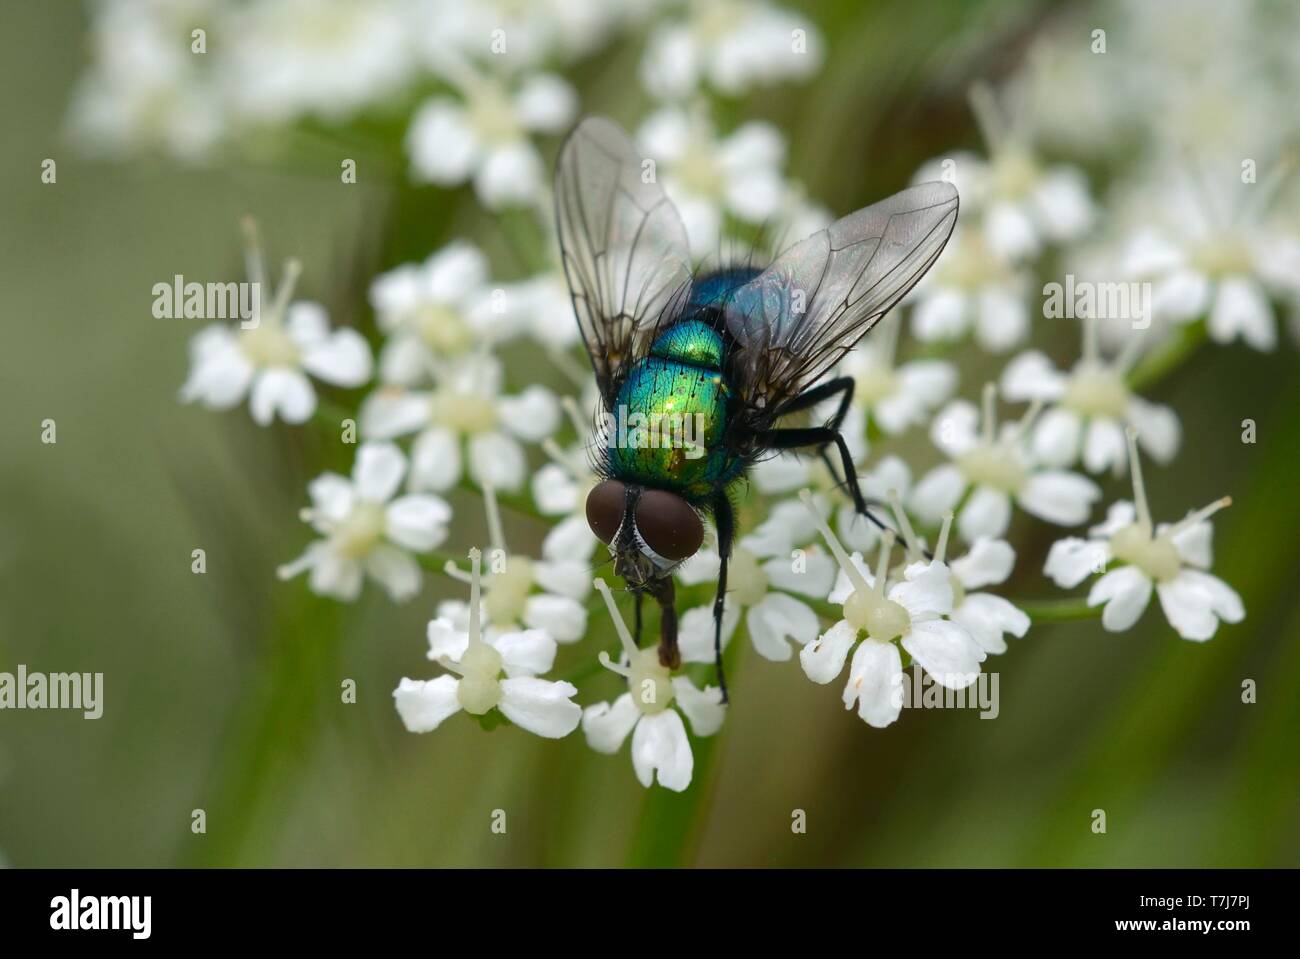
[{"x": 809, "y": 577}]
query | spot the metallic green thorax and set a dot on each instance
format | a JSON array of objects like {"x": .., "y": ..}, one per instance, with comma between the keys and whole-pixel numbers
[{"x": 671, "y": 414}]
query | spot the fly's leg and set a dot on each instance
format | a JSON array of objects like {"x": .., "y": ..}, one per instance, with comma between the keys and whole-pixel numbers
[
  {"x": 843, "y": 386},
  {"x": 670, "y": 656},
  {"x": 822, "y": 436},
  {"x": 724, "y": 521},
  {"x": 636, "y": 634}
]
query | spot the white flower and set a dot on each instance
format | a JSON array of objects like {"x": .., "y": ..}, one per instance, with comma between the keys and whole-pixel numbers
[
  {"x": 732, "y": 47},
  {"x": 989, "y": 562},
  {"x": 764, "y": 569},
  {"x": 896, "y": 397},
  {"x": 366, "y": 531},
  {"x": 511, "y": 36},
  {"x": 707, "y": 177},
  {"x": 560, "y": 489},
  {"x": 1201, "y": 264},
  {"x": 1092, "y": 407},
  {"x": 971, "y": 286},
  {"x": 324, "y": 58},
  {"x": 986, "y": 617},
  {"x": 484, "y": 136},
  {"x": 911, "y": 613},
  {"x": 145, "y": 88},
  {"x": 1022, "y": 203},
  {"x": 659, "y": 744},
  {"x": 996, "y": 469},
  {"x": 433, "y": 311},
  {"x": 268, "y": 358},
  {"x": 544, "y": 594},
  {"x": 465, "y": 406},
  {"x": 537, "y": 705},
  {"x": 1171, "y": 557}
]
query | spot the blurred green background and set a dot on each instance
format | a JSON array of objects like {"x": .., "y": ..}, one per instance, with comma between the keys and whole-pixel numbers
[{"x": 222, "y": 690}]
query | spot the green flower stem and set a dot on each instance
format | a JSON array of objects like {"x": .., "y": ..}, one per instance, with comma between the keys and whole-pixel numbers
[
  {"x": 671, "y": 824},
  {"x": 1057, "y": 610},
  {"x": 1154, "y": 367}
]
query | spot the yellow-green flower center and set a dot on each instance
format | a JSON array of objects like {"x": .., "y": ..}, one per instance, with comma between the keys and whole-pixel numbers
[
  {"x": 1095, "y": 390},
  {"x": 357, "y": 535},
  {"x": 650, "y": 682},
  {"x": 480, "y": 687},
  {"x": 1154, "y": 555}
]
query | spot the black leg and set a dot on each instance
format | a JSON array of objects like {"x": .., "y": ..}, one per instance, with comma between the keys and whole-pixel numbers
[
  {"x": 724, "y": 520},
  {"x": 637, "y": 622},
  {"x": 821, "y": 437},
  {"x": 842, "y": 385}
]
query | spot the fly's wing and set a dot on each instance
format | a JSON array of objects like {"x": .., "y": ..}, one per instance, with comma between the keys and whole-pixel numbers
[
  {"x": 797, "y": 318},
  {"x": 622, "y": 244}
]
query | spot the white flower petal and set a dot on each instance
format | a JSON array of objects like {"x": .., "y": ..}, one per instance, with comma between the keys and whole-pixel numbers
[
  {"x": 1031, "y": 376},
  {"x": 778, "y": 619},
  {"x": 284, "y": 391},
  {"x": 659, "y": 745},
  {"x": 528, "y": 652},
  {"x": 441, "y": 143},
  {"x": 1241, "y": 309},
  {"x": 1159, "y": 432},
  {"x": 342, "y": 359},
  {"x": 533, "y": 415},
  {"x": 1194, "y": 602},
  {"x": 926, "y": 590},
  {"x": 606, "y": 725},
  {"x": 703, "y": 708},
  {"x": 1072, "y": 560},
  {"x": 396, "y": 570},
  {"x": 1104, "y": 445},
  {"x": 986, "y": 513},
  {"x": 695, "y": 631},
  {"x": 417, "y": 522},
  {"x": 391, "y": 412},
  {"x": 435, "y": 460},
  {"x": 946, "y": 651},
  {"x": 1126, "y": 592},
  {"x": 542, "y": 707},
  {"x": 497, "y": 460},
  {"x": 986, "y": 617},
  {"x": 424, "y": 704},
  {"x": 938, "y": 491},
  {"x": 562, "y": 617},
  {"x": 1059, "y": 497},
  {"x": 378, "y": 471},
  {"x": 1056, "y": 437},
  {"x": 875, "y": 683},
  {"x": 989, "y": 561},
  {"x": 823, "y": 658}
]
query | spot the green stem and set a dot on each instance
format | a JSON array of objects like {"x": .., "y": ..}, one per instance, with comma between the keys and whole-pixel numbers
[
  {"x": 1057, "y": 610},
  {"x": 671, "y": 824},
  {"x": 1181, "y": 345}
]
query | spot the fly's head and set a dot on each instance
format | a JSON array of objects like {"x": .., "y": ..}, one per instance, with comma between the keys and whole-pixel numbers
[{"x": 649, "y": 532}]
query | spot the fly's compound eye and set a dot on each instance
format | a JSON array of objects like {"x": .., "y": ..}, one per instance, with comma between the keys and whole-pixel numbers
[
  {"x": 605, "y": 504},
  {"x": 667, "y": 524}
]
